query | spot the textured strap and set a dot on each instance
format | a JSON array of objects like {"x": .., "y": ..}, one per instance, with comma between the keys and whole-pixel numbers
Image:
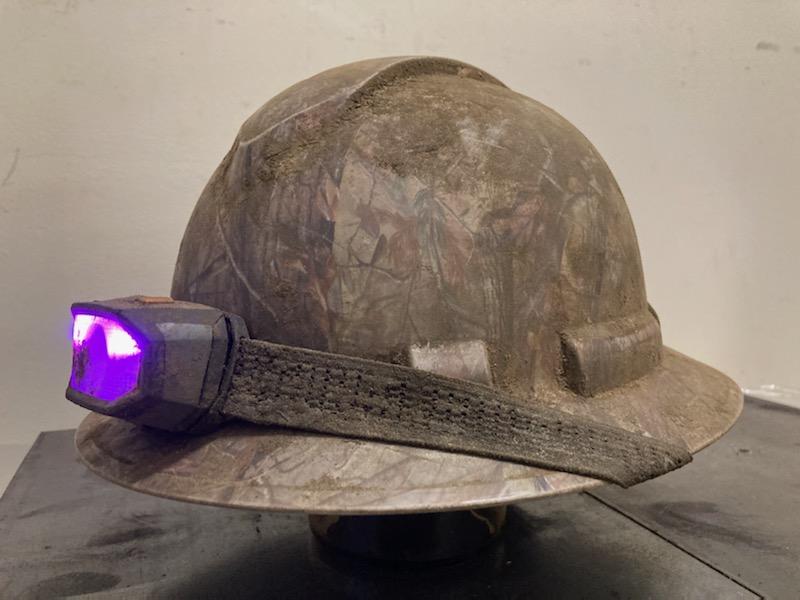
[{"x": 352, "y": 397}]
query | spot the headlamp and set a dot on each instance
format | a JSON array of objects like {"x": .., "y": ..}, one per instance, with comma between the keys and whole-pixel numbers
[
  {"x": 153, "y": 361},
  {"x": 187, "y": 367}
]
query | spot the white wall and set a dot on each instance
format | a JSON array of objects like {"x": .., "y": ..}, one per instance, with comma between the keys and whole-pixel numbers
[{"x": 114, "y": 114}]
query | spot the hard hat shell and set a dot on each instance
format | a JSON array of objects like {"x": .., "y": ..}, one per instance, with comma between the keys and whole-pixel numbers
[{"x": 419, "y": 201}]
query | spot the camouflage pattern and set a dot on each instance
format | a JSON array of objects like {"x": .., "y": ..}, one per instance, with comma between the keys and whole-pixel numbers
[{"x": 402, "y": 202}]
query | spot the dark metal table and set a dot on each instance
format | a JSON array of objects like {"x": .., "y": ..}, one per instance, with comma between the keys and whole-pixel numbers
[{"x": 726, "y": 526}]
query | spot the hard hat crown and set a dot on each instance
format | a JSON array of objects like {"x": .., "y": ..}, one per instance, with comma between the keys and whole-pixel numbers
[{"x": 414, "y": 201}]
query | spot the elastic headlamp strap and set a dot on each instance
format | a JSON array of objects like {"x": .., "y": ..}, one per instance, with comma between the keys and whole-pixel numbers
[{"x": 347, "y": 396}]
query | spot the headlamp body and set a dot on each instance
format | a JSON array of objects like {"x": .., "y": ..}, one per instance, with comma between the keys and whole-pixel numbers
[{"x": 181, "y": 350}]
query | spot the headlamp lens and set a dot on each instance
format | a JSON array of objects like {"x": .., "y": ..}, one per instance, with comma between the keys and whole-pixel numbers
[{"x": 106, "y": 358}]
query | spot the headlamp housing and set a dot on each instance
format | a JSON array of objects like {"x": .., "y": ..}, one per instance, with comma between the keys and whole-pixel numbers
[{"x": 152, "y": 360}]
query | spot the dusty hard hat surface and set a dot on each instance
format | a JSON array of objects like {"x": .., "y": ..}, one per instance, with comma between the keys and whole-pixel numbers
[{"x": 408, "y": 202}]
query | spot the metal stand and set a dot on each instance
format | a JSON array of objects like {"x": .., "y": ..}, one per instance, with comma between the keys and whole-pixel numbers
[{"x": 414, "y": 538}]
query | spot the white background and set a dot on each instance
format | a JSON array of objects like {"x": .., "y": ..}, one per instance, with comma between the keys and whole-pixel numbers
[{"x": 114, "y": 114}]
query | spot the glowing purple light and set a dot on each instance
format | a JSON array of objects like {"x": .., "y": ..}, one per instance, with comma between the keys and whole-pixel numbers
[
  {"x": 81, "y": 326},
  {"x": 120, "y": 344},
  {"x": 106, "y": 358}
]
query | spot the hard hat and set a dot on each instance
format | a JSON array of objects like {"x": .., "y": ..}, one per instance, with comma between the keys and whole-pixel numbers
[{"x": 417, "y": 212}]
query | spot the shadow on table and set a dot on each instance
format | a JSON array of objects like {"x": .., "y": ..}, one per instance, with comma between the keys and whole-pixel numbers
[{"x": 523, "y": 559}]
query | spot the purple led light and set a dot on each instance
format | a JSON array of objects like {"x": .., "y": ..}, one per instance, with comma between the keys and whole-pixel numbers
[{"x": 106, "y": 358}]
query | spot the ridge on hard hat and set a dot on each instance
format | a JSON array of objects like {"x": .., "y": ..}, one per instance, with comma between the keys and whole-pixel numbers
[{"x": 417, "y": 211}]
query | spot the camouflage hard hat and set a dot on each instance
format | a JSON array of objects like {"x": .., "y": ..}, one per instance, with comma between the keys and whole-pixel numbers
[{"x": 417, "y": 211}]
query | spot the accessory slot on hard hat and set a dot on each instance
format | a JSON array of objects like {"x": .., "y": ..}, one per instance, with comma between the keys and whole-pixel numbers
[{"x": 602, "y": 356}]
